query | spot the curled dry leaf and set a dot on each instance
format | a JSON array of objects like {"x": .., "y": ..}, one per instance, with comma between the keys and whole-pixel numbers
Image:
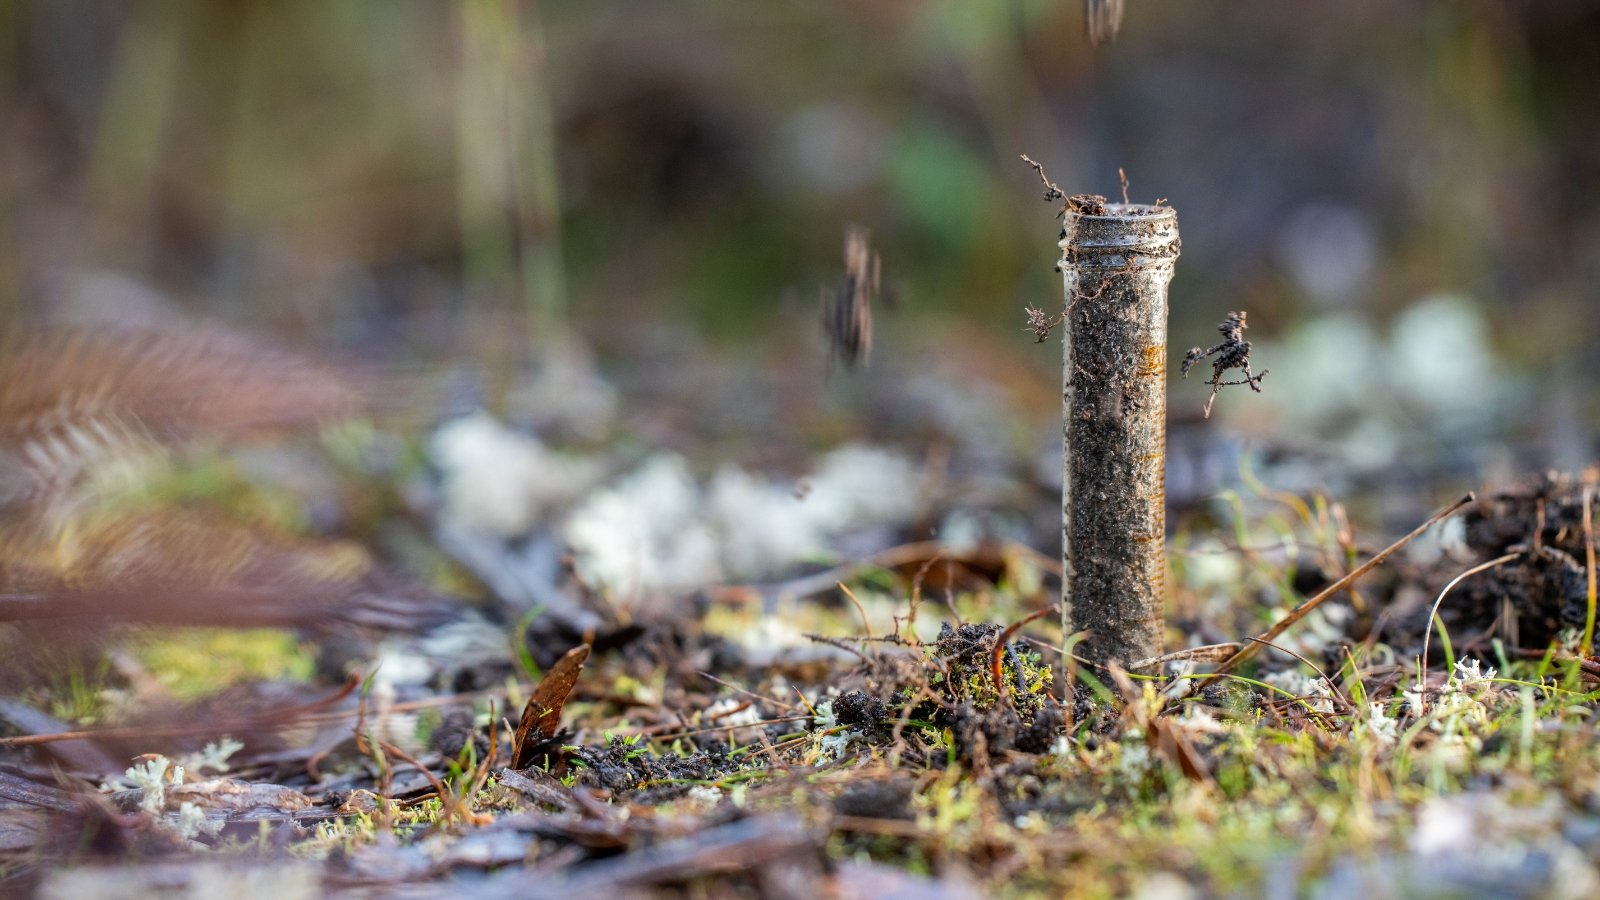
[{"x": 541, "y": 718}]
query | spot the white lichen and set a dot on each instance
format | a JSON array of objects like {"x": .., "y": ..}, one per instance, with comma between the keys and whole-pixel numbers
[
  {"x": 740, "y": 717},
  {"x": 1380, "y": 727},
  {"x": 646, "y": 534},
  {"x": 833, "y": 740},
  {"x": 1468, "y": 676},
  {"x": 1457, "y": 712},
  {"x": 704, "y": 795},
  {"x": 502, "y": 481},
  {"x": 1133, "y": 759},
  {"x": 213, "y": 757},
  {"x": 152, "y": 777},
  {"x": 191, "y": 822},
  {"x": 1314, "y": 692},
  {"x": 657, "y": 530}
]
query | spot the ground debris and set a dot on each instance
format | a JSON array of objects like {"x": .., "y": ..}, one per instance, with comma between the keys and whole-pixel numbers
[
  {"x": 1544, "y": 510},
  {"x": 1087, "y": 205},
  {"x": 456, "y": 732},
  {"x": 233, "y": 795},
  {"x": 966, "y": 654},
  {"x": 754, "y": 848},
  {"x": 624, "y": 766},
  {"x": 536, "y": 737},
  {"x": 877, "y": 798},
  {"x": 860, "y": 710},
  {"x": 695, "y": 757},
  {"x": 1515, "y": 572},
  {"x": 232, "y": 877}
]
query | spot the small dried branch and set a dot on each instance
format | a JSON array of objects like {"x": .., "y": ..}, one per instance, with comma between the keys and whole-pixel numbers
[
  {"x": 1211, "y": 653},
  {"x": 1433, "y": 611},
  {"x": 1082, "y": 204},
  {"x": 1232, "y": 353},
  {"x": 1586, "y": 645},
  {"x": 1052, "y": 191}
]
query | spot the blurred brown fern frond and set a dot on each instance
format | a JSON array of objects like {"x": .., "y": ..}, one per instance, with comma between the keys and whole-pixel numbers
[
  {"x": 173, "y": 564},
  {"x": 71, "y": 400},
  {"x": 77, "y": 405}
]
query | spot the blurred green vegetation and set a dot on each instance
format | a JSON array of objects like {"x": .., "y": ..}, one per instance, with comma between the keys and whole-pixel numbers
[
  {"x": 192, "y": 663},
  {"x": 408, "y": 177}
]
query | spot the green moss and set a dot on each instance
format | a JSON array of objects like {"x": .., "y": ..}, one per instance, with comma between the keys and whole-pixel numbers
[
  {"x": 198, "y": 662},
  {"x": 966, "y": 653}
]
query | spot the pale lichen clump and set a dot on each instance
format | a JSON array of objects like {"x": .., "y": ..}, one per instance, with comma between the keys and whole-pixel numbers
[
  {"x": 154, "y": 778},
  {"x": 832, "y": 738},
  {"x": 214, "y": 756},
  {"x": 1379, "y": 727},
  {"x": 1314, "y": 693},
  {"x": 1459, "y": 713}
]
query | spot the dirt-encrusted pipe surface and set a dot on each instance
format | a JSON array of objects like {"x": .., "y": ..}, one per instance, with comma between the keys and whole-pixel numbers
[{"x": 1114, "y": 391}]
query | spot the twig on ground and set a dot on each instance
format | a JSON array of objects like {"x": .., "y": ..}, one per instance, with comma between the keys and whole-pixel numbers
[
  {"x": 836, "y": 643},
  {"x": 1210, "y": 653},
  {"x": 866, "y": 625},
  {"x": 751, "y": 694}
]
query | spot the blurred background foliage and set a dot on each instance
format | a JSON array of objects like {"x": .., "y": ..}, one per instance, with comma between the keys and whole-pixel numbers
[{"x": 1403, "y": 195}]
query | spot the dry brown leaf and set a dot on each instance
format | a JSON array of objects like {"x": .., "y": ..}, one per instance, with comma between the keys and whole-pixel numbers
[{"x": 541, "y": 718}]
